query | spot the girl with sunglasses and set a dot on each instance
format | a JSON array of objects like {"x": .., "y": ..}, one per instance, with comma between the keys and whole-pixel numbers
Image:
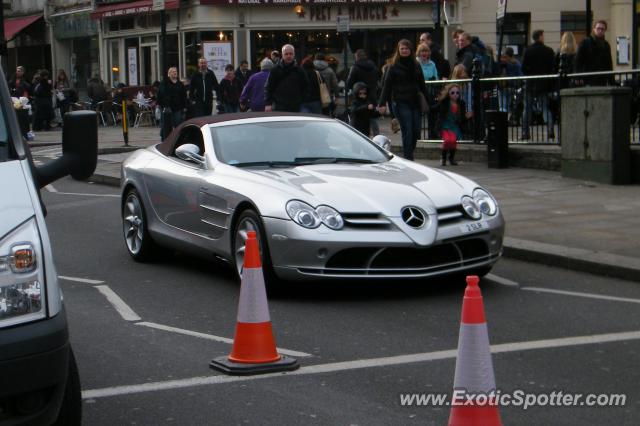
[{"x": 452, "y": 117}]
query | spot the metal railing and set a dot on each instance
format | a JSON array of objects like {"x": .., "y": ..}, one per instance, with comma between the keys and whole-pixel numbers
[{"x": 531, "y": 102}]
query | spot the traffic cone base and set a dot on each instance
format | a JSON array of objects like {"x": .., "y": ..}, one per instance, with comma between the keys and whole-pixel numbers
[
  {"x": 223, "y": 364},
  {"x": 474, "y": 416}
]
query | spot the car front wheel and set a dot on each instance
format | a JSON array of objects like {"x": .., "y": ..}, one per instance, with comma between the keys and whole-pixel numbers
[
  {"x": 139, "y": 243},
  {"x": 250, "y": 221}
]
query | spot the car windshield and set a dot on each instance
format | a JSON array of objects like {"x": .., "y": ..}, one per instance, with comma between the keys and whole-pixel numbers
[{"x": 290, "y": 143}]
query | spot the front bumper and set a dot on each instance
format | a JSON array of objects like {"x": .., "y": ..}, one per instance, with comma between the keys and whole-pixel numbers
[
  {"x": 298, "y": 253},
  {"x": 34, "y": 360}
]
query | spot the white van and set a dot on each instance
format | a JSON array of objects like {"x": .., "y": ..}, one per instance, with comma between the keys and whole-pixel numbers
[{"x": 39, "y": 382}]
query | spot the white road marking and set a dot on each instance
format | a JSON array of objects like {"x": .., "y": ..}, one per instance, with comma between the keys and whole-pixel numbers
[
  {"x": 87, "y": 195},
  {"x": 503, "y": 281},
  {"x": 55, "y": 149},
  {"x": 50, "y": 188},
  {"x": 80, "y": 280},
  {"x": 359, "y": 364},
  {"x": 580, "y": 294},
  {"x": 123, "y": 309},
  {"x": 212, "y": 337}
]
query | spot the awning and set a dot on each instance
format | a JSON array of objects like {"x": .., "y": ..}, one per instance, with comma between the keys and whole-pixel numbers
[
  {"x": 12, "y": 26},
  {"x": 130, "y": 8},
  {"x": 308, "y": 2}
]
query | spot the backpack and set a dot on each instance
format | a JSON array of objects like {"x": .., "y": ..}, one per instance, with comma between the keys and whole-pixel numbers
[{"x": 485, "y": 59}]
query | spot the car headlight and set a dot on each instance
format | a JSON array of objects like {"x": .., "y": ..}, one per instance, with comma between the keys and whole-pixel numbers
[
  {"x": 305, "y": 215},
  {"x": 22, "y": 290},
  {"x": 485, "y": 202},
  {"x": 471, "y": 208},
  {"x": 330, "y": 217}
]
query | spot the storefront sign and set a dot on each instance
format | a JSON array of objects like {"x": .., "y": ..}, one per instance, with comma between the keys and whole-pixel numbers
[
  {"x": 132, "y": 60},
  {"x": 218, "y": 54},
  {"x": 354, "y": 13},
  {"x": 73, "y": 26}
]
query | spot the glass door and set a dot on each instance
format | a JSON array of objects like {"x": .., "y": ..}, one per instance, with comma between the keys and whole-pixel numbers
[{"x": 149, "y": 69}]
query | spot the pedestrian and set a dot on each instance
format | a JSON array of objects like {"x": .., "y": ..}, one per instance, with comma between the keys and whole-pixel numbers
[
  {"x": 538, "y": 59},
  {"x": 429, "y": 69},
  {"x": 18, "y": 84},
  {"x": 442, "y": 64},
  {"x": 64, "y": 93},
  {"x": 594, "y": 55},
  {"x": 230, "y": 90},
  {"x": 287, "y": 84},
  {"x": 460, "y": 73},
  {"x": 252, "y": 97},
  {"x": 311, "y": 103},
  {"x": 201, "y": 88},
  {"x": 366, "y": 71},
  {"x": 172, "y": 98},
  {"x": 451, "y": 121},
  {"x": 511, "y": 68},
  {"x": 275, "y": 56},
  {"x": 403, "y": 86},
  {"x": 466, "y": 52},
  {"x": 329, "y": 77},
  {"x": 243, "y": 72},
  {"x": 43, "y": 93},
  {"x": 566, "y": 54},
  {"x": 96, "y": 91},
  {"x": 430, "y": 73},
  {"x": 362, "y": 111}
]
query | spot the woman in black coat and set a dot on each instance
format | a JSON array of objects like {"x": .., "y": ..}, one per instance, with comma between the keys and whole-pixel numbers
[
  {"x": 172, "y": 96},
  {"x": 43, "y": 93},
  {"x": 403, "y": 86}
]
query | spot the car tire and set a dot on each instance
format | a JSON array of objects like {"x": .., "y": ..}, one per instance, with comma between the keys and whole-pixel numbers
[
  {"x": 70, "y": 413},
  {"x": 250, "y": 221},
  {"x": 138, "y": 241}
]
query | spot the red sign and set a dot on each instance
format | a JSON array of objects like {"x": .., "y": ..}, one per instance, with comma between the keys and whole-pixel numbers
[{"x": 304, "y": 2}]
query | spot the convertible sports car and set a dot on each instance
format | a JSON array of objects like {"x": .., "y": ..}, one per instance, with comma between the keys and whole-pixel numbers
[{"x": 325, "y": 201}]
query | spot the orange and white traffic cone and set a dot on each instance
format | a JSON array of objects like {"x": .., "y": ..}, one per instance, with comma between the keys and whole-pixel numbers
[
  {"x": 254, "y": 348},
  {"x": 474, "y": 400}
]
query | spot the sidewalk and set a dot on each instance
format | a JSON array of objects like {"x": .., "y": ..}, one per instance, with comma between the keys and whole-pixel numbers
[{"x": 557, "y": 221}]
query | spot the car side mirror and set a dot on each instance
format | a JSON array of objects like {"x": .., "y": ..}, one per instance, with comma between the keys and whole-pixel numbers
[
  {"x": 190, "y": 152},
  {"x": 79, "y": 150},
  {"x": 383, "y": 142}
]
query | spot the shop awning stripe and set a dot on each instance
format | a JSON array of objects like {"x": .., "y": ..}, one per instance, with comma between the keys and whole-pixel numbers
[{"x": 12, "y": 26}]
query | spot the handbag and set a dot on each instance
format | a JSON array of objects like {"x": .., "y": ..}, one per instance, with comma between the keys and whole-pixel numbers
[{"x": 325, "y": 97}]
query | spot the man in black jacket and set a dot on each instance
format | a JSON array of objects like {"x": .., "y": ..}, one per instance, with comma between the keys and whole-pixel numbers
[
  {"x": 243, "y": 72},
  {"x": 203, "y": 83},
  {"x": 594, "y": 54},
  {"x": 286, "y": 85},
  {"x": 365, "y": 71},
  {"x": 538, "y": 59}
]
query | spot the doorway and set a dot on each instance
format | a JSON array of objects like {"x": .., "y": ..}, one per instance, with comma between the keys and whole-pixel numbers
[{"x": 149, "y": 71}]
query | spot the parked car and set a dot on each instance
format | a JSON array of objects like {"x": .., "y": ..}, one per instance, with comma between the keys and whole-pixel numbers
[
  {"x": 325, "y": 201},
  {"x": 39, "y": 382}
]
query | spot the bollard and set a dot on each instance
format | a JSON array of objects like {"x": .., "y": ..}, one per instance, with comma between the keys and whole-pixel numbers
[
  {"x": 125, "y": 124},
  {"x": 497, "y": 140}
]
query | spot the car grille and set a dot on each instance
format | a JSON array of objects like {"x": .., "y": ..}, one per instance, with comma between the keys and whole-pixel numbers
[
  {"x": 383, "y": 261},
  {"x": 365, "y": 220},
  {"x": 450, "y": 215}
]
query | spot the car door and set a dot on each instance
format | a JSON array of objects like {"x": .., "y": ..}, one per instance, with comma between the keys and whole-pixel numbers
[{"x": 174, "y": 186}]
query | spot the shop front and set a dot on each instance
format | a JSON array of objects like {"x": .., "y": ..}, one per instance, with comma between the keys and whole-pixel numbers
[{"x": 75, "y": 45}]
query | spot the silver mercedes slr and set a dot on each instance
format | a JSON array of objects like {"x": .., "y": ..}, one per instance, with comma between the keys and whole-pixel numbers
[{"x": 325, "y": 201}]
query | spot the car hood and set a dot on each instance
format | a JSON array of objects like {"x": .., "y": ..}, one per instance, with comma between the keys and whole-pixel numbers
[
  {"x": 373, "y": 188},
  {"x": 17, "y": 206}
]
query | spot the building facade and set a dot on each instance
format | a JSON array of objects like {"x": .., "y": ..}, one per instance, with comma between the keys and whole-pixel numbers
[{"x": 120, "y": 40}]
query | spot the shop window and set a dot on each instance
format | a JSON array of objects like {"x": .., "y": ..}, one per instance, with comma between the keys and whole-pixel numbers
[
  {"x": 115, "y": 25},
  {"x": 193, "y": 47}
]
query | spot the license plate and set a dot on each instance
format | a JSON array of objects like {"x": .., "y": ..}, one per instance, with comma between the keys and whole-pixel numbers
[{"x": 474, "y": 227}]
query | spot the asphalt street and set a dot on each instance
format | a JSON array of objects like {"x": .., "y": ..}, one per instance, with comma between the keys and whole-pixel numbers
[{"x": 144, "y": 335}]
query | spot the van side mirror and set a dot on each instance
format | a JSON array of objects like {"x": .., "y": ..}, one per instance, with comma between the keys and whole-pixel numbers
[{"x": 79, "y": 150}]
